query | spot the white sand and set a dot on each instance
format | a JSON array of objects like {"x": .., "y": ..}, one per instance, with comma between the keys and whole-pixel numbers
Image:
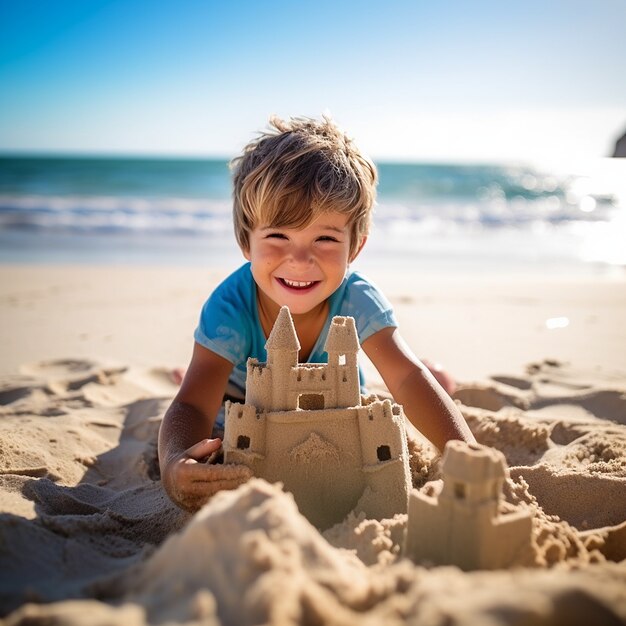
[{"x": 86, "y": 529}]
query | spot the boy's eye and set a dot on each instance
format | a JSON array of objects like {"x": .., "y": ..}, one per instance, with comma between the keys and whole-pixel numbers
[
  {"x": 327, "y": 238},
  {"x": 275, "y": 236}
]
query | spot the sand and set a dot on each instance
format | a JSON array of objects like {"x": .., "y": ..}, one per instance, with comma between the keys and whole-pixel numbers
[{"x": 87, "y": 536}]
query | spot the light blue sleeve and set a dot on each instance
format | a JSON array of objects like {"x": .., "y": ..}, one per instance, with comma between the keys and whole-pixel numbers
[
  {"x": 223, "y": 327},
  {"x": 367, "y": 304}
]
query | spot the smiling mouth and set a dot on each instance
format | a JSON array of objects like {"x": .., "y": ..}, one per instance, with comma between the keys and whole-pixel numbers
[{"x": 298, "y": 284}]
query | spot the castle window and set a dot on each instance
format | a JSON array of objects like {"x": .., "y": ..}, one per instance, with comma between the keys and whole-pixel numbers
[
  {"x": 342, "y": 359},
  {"x": 383, "y": 453},
  {"x": 459, "y": 491},
  {"x": 311, "y": 401},
  {"x": 243, "y": 442}
]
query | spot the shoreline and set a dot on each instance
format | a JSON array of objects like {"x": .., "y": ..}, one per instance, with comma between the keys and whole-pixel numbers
[{"x": 493, "y": 258}]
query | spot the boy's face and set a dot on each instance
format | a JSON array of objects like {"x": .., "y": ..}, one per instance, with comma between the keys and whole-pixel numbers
[{"x": 300, "y": 268}]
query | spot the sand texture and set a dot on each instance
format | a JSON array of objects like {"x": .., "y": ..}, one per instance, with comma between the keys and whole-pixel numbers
[{"x": 87, "y": 536}]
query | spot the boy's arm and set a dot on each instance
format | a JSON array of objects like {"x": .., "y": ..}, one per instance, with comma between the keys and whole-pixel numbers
[
  {"x": 429, "y": 408},
  {"x": 184, "y": 436}
]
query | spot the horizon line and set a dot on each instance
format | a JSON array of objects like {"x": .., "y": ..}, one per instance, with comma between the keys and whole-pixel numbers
[{"x": 182, "y": 156}]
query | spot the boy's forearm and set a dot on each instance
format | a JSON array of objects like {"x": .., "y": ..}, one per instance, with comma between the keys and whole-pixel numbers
[
  {"x": 183, "y": 426},
  {"x": 431, "y": 410}
]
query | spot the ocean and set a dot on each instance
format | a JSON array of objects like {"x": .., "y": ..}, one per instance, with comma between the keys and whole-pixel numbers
[{"x": 448, "y": 217}]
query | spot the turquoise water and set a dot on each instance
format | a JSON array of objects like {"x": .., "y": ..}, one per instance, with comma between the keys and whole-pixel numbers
[{"x": 120, "y": 210}]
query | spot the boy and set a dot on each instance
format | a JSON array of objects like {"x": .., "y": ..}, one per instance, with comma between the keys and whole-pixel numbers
[{"x": 303, "y": 197}]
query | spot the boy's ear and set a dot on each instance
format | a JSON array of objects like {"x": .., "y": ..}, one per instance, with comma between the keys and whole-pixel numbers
[
  {"x": 245, "y": 252},
  {"x": 358, "y": 250}
]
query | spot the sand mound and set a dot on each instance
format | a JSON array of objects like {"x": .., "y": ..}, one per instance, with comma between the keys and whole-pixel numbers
[
  {"x": 86, "y": 527},
  {"x": 78, "y": 479}
]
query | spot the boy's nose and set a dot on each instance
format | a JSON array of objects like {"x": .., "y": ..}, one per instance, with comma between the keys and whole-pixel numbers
[{"x": 301, "y": 255}]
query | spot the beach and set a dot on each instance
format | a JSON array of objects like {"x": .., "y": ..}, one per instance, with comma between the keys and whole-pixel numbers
[
  {"x": 478, "y": 324},
  {"x": 87, "y": 535},
  {"x": 479, "y": 179}
]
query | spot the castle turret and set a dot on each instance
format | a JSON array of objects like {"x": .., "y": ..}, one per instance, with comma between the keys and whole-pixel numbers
[
  {"x": 342, "y": 337},
  {"x": 342, "y": 345},
  {"x": 282, "y": 355},
  {"x": 474, "y": 476},
  {"x": 462, "y": 524}
]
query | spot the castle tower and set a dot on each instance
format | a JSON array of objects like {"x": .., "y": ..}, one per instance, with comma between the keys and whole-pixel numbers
[
  {"x": 461, "y": 525},
  {"x": 282, "y": 355},
  {"x": 342, "y": 345},
  {"x": 475, "y": 483}
]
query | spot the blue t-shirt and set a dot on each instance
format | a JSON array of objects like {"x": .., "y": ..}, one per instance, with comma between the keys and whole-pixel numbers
[{"x": 229, "y": 322}]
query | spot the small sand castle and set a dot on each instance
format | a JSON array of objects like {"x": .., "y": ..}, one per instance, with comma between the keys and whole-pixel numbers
[
  {"x": 461, "y": 525},
  {"x": 307, "y": 426}
]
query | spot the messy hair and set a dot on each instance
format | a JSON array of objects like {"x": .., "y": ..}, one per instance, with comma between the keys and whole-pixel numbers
[{"x": 298, "y": 170}]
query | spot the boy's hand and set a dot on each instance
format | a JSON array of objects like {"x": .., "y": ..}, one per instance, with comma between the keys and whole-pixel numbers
[{"x": 190, "y": 480}]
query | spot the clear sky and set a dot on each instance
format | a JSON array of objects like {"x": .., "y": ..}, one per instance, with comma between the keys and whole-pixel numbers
[{"x": 478, "y": 80}]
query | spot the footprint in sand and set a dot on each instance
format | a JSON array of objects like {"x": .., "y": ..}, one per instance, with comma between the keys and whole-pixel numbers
[
  {"x": 67, "y": 375},
  {"x": 492, "y": 397},
  {"x": 64, "y": 368},
  {"x": 512, "y": 381},
  {"x": 17, "y": 387}
]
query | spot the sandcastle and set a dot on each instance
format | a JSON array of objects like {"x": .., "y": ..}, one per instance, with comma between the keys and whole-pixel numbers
[
  {"x": 461, "y": 525},
  {"x": 307, "y": 425}
]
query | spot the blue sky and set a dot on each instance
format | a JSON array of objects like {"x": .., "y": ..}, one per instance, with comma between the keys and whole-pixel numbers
[{"x": 464, "y": 81}]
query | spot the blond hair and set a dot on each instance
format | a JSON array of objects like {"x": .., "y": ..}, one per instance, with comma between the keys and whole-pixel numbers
[{"x": 296, "y": 171}]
